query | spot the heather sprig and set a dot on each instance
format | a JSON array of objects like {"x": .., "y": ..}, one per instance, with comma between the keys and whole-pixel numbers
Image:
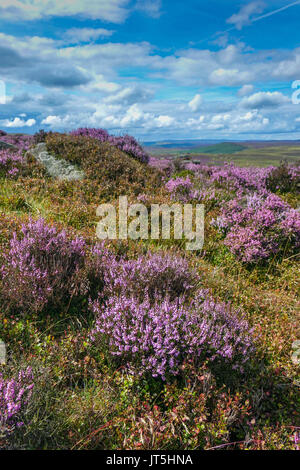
[{"x": 15, "y": 395}]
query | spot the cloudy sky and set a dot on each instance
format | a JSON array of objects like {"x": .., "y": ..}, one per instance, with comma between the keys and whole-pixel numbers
[{"x": 157, "y": 69}]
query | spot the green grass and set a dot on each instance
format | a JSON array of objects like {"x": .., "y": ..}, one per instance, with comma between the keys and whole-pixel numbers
[{"x": 84, "y": 401}]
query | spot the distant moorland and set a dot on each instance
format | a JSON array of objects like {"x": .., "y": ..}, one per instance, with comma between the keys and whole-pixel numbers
[{"x": 249, "y": 153}]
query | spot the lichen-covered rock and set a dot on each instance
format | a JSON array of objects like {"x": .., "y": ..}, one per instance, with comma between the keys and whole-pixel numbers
[
  {"x": 296, "y": 353},
  {"x": 2, "y": 353},
  {"x": 58, "y": 168}
]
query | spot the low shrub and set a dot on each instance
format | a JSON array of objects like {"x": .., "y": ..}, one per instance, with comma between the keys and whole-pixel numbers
[
  {"x": 284, "y": 179},
  {"x": 40, "y": 137},
  {"x": 259, "y": 226},
  {"x": 157, "y": 338},
  {"x": 125, "y": 143},
  {"x": 181, "y": 189},
  {"x": 40, "y": 267},
  {"x": 155, "y": 275},
  {"x": 21, "y": 141},
  {"x": 11, "y": 163}
]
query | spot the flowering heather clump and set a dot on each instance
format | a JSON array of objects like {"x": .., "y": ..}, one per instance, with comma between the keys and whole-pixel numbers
[
  {"x": 181, "y": 189},
  {"x": 152, "y": 275},
  {"x": 162, "y": 164},
  {"x": 243, "y": 180},
  {"x": 157, "y": 338},
  {"x": 259, "y": 227},
  {"x": 129, "y": 145},
  {"x": 23, "y": 142},
  {"x": 99, "y": 134},
  {"x": 125, "y": 143},
  {"x": 11, "y": 163},
  {"x": 284, "y": 178},
  {"x": 14, "y": 397},
  {"x": 40, "y": 267}
]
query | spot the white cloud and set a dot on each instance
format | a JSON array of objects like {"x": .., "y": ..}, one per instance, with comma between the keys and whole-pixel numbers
[
  {"x": 52, "y": 121},
  {"x": 130, "y": 95},
  {"x": 195, "y": 103},
  {"x": 246, "y": 90},
  {"x": 151, "y": 7},
  {"x": 77, "y": 35},
  {"x": 265, "y": 99},
  {"x": 164, "y": 121},
  {"x": 229, "y": 77},
  {"x": 245, "y": 15},
  {"x": 17, "y": 122},
  {"x": 114, "y": 11}
]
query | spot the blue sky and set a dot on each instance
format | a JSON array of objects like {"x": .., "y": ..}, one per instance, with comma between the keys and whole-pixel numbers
[{"x": 157, "y": 69}]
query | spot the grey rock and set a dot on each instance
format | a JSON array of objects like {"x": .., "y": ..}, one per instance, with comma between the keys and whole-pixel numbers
[
  {"x": 5, "y": 145},
  {"x": 58, "y": 168},
  {"x": 2, "y": 353},
  {"x": 296, "y": 358},
  {"x": 296, "y": 353},
  {"x": 296, "y": 344}
]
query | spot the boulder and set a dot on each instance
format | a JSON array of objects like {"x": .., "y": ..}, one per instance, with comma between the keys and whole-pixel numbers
[{"x": 57, "y": 168}]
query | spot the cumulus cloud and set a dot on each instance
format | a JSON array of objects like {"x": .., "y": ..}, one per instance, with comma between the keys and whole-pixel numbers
[
  {"x": 164, "y": 121},
  {"x": 114, "y": 11},
  {"x": 195, "y": 103},
  {"x": 17, "y": 122},
  {"x": 265, "y": 99},
  {"x": 245, "y": 15},
  {"x": 61, "y": 77}
]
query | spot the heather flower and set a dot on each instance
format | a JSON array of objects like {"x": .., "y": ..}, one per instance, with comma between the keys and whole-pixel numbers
[
  {"x": 245, "y": 179},
  {"x": 11, "y": 162},
  {"x": 157, "y": 338},
  {"x": 259, "y": 226},
  {"x": 126, "y": 143},
  {"x": 14, "y": 397},
  {"x": 181, "y": 189},
  {"x": 154, "y": 275},
  {"x": 40, "y": 266},
  {"x": 22, "y": 142}
]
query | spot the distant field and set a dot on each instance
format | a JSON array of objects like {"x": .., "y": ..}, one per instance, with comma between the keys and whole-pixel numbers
[{"x": 250, "y": 154}]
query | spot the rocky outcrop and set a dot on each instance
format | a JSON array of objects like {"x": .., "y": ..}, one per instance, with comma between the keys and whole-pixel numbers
[
  {"x": 5, "y": 145},
  {"x": 58, "y": 168}
]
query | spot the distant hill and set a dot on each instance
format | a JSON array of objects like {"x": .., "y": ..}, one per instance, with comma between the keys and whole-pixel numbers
[{"x": 223, "y": 148}]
